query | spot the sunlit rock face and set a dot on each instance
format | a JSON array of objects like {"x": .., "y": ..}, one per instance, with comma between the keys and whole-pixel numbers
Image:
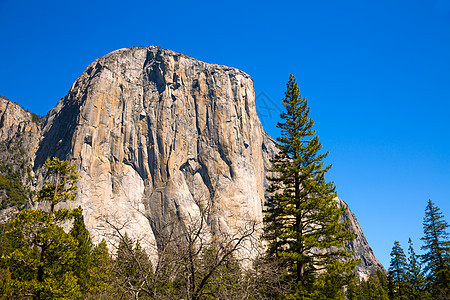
[{"x": 157, "y": 134}]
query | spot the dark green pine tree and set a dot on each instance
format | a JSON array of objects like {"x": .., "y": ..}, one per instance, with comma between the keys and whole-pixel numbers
[
  {"x": 376, "y": 291},
  {"x": 437, "y": 251},
  {"x": 397, "y": 272},
  {"x": 384, "y": 282},
  {"x": 374, "y": 288},
  {"x": 125, "y": 261},
  {"x": 302, "y": 220},
  {"x": 100, "y": 274},
  {"x": 354, "y": 290},
  {"x": 415, "y": 280},
  {"x": 83, "y": 259}
]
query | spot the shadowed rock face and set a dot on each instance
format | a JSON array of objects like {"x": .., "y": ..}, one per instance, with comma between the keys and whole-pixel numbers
[
  {"x": 155, "y": 134},
  {"x": 19, "y": 139}
]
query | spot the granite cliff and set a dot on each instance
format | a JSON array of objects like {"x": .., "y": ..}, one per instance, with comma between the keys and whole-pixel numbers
[{"x": 155, "y": 135}]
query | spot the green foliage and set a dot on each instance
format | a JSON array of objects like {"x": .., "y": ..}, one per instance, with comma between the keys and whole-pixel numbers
[
  {"x": 397, "y": 272},
  {"x": 14, "y": 168},
  {"x": 40, "y": 256},
  {"x": 437, "y": 251},
  {"x": 15, "y": 192},
  {"x": 100, "y": 274},
  {"x": 41, "y": 261},
  {"x": 374, "y": 288},
  {"x": 5, "y": 279},
  {"x": 35, "y": 118},
  {"x": 61, "y": 183},
  {"x": 83, "y": 253},
  {"x": 328, "y": 285},
  {"x": 426, "y": 276},
  {"x": 414, "y": 277},
  {"x": 302, "y": 221}
]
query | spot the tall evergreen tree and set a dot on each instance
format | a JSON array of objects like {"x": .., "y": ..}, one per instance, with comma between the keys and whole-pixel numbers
[
  {"x": 83, "y": 256},
  {"x": 397, "y": 272},
  {"x": 437, "y": 251},
  {"x": 100, "y": 274},
  {"x": 414, "y": 277},
  {"x": 302, "y": 221}
]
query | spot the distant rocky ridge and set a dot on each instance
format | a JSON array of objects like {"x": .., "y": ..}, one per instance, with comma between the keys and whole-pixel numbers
[{"x": 154, "y": 133}]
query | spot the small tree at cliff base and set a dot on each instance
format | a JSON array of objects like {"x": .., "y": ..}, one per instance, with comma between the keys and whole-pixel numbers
[
  {"x": 61, "y": 183},
  {"x": 302, "y": 221}
]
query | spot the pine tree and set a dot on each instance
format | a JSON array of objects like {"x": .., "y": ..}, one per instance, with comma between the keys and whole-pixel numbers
[
  {"x": 437, "y": 251},
  {"x": 302, "y": 221},
  {"x": 83, "y": 256},
  {"x": 374, "y": 288},
  {"x": 100, "y": 274},
  {"x": 354, "y": 290},
  {"x": 43, "y": 254},
  {"x": 414, "y": 276},
  {"x": 397, "y": 271},
  {"x": 384, "y": 282},
  {"x": 42, "y": 259},
  {"x": 61, "y": 183}
]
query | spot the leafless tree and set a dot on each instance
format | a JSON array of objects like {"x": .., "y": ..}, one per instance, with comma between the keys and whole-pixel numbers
[{"x": 191, "y": 261}]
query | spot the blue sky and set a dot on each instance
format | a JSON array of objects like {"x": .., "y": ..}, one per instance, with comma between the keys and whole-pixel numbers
[{"x": 376, "y": 74}]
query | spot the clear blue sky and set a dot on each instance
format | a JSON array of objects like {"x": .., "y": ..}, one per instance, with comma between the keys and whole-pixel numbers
[{"x": 376, "y": 74}]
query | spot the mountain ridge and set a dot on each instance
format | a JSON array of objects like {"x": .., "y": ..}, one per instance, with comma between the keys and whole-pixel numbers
[{"x": 154, "y": 133}]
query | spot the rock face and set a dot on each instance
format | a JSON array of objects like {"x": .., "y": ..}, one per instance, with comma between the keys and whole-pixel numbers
[
  {"x": 360, "y": 246},
  {"x": 155, "y": 134},
  {"x": 19, "y": 140},
  {"x": 14, "y": 120}
]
